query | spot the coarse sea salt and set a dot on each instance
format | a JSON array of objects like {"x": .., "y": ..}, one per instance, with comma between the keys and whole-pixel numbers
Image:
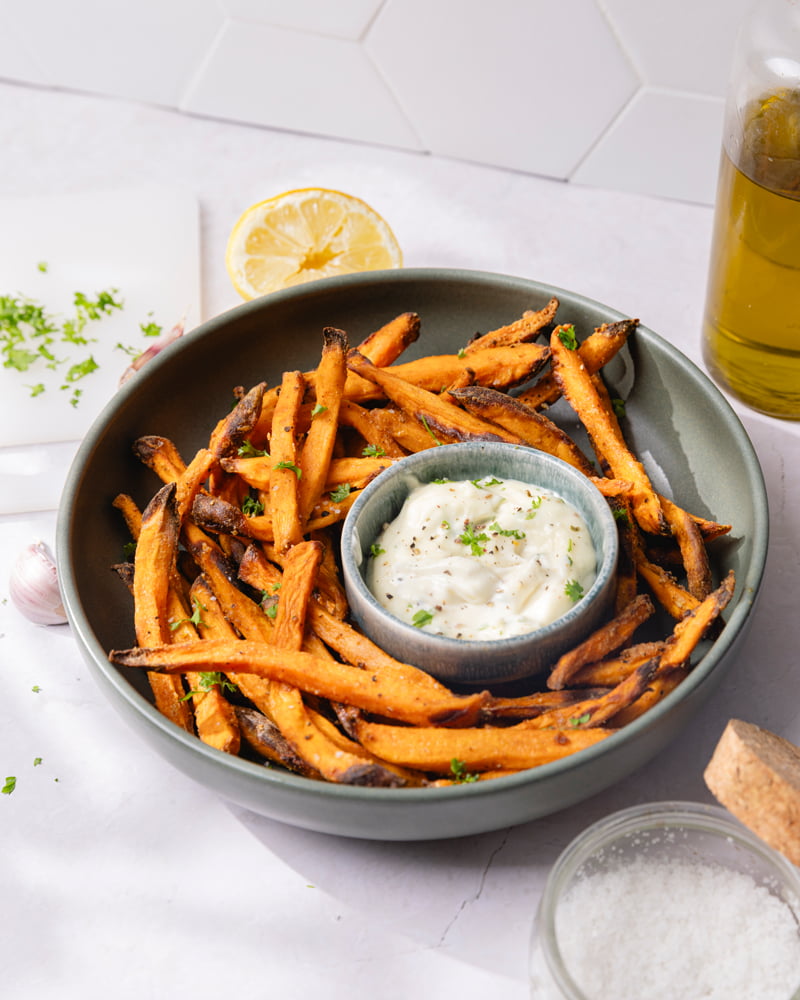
[{"x": 674, "y": 930}]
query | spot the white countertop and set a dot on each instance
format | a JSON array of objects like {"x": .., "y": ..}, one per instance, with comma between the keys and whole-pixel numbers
[{"x": 118, "y": 873}]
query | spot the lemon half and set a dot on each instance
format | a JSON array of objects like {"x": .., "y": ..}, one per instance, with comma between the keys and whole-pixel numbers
[{"x": 306, "y": 234}]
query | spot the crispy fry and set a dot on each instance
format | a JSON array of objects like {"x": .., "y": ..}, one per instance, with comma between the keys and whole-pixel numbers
[
  {"x": 596, "y": 351},
  {"x": 498, "y": 367},
  {"x": 602, "y": 641},
  {"x": 523, "y": 329},
  {"x": 434, "y": 749},
  {"x": 598, "y": 710},
  {"x": 603, "y": 429},
  {"x": 284, "y": 502},
  {"x": 287, "y": 708},
  {"x": 384, "y": 692},
  {"x": 692, "y": 547},
  {"x": 657, "y": 689},
  {"x": 609, "y": 672},
  {"x": 530, "y": 427},
  {"x": 154, "y": 569},
  {"x": 317, "y": 451},
  {"x": 532, "y": 705},
  {"x": 695, "y": 624},
  {"x": 386, "y": 344},
  {"x": 445, "y": 422}
]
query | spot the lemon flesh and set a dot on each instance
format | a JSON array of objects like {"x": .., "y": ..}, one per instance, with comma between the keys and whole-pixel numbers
[{"x": 303, "y": 235}]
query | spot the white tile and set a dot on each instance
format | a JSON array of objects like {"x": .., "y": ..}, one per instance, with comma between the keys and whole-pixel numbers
[
  {"x": 146, "y": 51},
  {"x": 682, "y": 44},
  {"x": 665, "y": 143},
  {"x": 342, "y": 19},
  {"x": 527, "y": 85},
  {"x": 297, "y": 81}
]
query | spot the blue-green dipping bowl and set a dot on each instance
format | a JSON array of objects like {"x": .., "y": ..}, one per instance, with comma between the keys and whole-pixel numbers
[
  {"x": 680, "y": 425},
  {"x": 496, "y": 661}
]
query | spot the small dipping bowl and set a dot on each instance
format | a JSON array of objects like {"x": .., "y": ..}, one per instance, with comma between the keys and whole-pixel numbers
[
  {"x": 477, "y": 662},
  {"x": 663, "y": 894}
]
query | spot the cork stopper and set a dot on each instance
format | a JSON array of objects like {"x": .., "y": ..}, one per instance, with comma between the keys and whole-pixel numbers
[{"x": 756, "y": 776}]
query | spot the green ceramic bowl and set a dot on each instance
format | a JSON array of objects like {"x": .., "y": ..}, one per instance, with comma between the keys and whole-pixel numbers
[{"x": 688, "y": 436}]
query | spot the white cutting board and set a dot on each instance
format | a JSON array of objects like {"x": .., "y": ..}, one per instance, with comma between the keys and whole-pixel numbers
[{"x": 144, "y": 242}]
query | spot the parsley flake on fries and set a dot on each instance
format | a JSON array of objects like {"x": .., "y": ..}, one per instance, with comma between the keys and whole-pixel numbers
[{"x": 241, "y": 621}]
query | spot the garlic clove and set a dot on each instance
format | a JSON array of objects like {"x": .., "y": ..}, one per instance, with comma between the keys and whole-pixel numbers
[
  {"x": 33, "y": 586},
  {"x": 154, "y": 349}
]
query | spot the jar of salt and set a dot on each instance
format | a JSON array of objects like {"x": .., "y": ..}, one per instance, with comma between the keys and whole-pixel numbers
[{"x": 668, "y": 901}]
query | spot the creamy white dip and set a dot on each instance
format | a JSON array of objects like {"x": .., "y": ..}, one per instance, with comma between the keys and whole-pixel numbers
[{"x": 482, "y": 559}]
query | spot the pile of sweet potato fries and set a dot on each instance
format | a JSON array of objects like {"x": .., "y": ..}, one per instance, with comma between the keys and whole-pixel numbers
[{"x": 241, "y": 621}]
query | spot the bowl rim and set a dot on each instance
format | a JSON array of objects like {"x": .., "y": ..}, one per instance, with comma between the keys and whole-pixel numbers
[
  {"x": 96, "y": 656},
  {"x": 405, "y": 467}
]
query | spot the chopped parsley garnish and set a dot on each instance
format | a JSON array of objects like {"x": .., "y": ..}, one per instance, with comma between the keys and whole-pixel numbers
[
  {"x": 373, "y": 451},
  {"x": 580, "y": 720},
  {"x": 573, "y": 590},
  {"x": 484, "y": 484},
  {"x": 341, "y": 492},
  {"x": 459, "y": 771},
  {"x": 290, "y": 465},
  {"x": 318, "y": 408},
  {"x": 621, "y": 515},
  {"x": 375, "y": 550},
  {"x": 37, "y": 761},
  {"x": 31, "y": 338},
  {"x": 507, "y": 532},
  {"x": 252, "y": 507},
  {"x": 536, "y": 503},
  {"x": 195, "y": 619},
  {"x": 468, "y": 537},
  {"x": 421, "y": 618},
  {"x": 150, "y": 329},
  {"x": 618, "y": 405},
  {"x": 248, "y": 450},
  {"x": 10, "y": 785},
  {"x": 567, "y": 337},
  {"x": 208, "y": 680}
]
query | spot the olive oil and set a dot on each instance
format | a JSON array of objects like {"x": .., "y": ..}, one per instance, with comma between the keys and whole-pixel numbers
[{"x": 751, "y": 334}]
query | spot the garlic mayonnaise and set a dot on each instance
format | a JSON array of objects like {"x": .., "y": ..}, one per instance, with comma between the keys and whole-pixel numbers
[{"x": 482, "y": 559}]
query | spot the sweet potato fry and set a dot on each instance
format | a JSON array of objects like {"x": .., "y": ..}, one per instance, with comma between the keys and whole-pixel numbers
[
  {"x": 530, "y": 706},
  {"x": 692, "y": 548},
  {"x": 609, "y": 672},
  {"x": 523, "y": 329},
  {"x": 603, "y": 429},
  {"x": 379, "y": 691},
  {"x": 657, "y": 689},
  {"x": 596, "y": 351},
  {"x": 263, "y": 736},
  {"x": 317, "y": 450},
  {"x": 598, "y": 710},
  {"x": 602, "y": 641},
  {"x": 499, "y": 367},
  {"x": 287, "y": 708},
  {"x": 284, "y": 502},
  {"x": 385, "y": 345},
  {"x": 509, "y": 748},
  {"x": 530, "y": 427},
  {"x": 695, "y": 624},
  {"x": 445, "y": 422},
  {"x": 371, "y": 424},
  {"x": 154, "y": 569}
]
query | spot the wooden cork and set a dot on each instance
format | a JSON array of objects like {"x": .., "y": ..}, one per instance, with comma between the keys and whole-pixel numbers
[{"x": 756, "y": 776}]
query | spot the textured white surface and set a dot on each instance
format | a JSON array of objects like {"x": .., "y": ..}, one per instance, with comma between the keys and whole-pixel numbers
[
  {"x": 122, "y": 876},
  {"x": 533, "y": 86}
]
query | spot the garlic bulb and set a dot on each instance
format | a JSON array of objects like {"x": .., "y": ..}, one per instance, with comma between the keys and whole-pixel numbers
[{"x": 33, "y": 586}]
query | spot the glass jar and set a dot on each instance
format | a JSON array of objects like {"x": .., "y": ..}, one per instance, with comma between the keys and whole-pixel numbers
[
  {"x": 667, "y": 900},
  {"x": 751, "y": 328}
]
